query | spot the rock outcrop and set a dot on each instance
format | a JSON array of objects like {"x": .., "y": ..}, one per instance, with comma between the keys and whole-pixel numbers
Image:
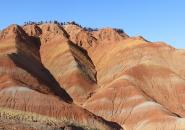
[
  {"x": 30, "y": 96},
  {"x": 66, "y": 77}
]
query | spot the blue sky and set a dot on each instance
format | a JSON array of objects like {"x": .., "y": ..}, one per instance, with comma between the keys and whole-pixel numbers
[{"x": 156, "y": 20}]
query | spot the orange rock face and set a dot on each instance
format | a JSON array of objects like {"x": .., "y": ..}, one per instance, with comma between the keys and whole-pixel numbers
[{"x": 65, "y": 77}]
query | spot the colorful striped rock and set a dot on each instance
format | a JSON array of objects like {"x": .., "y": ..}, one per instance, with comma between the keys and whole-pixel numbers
[{"x": 67, "y": 77}]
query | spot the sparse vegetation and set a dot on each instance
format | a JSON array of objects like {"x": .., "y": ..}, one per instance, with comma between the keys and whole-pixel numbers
[
  {"x": 42, "y": 22},
  {"x": 28, "y": 118},
  {"x": 90, "y": 29},
  {"x": 119, "y": 30},
  {"x": 55, "y": 22}
]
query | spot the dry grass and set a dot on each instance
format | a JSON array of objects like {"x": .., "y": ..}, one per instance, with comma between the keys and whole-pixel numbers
[{"x": 37, "y": 120}]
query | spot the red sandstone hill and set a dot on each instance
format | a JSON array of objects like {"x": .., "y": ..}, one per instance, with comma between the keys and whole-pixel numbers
[{"x": 65, "y": 77}]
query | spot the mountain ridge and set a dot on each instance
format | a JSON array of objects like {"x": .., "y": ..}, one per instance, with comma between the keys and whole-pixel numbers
[{"x": 89, "y": 79}]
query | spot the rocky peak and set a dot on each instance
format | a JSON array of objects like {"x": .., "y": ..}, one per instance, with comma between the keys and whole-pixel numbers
[
  {"x": 109, "y": 34},
  {"x": 53, "y": 28},
  {"x": 50, "y": 31},
  {"x": 32, "y": 30},
  {"x": 13, "y": 31},
  {"x": 70, "y": 28},
  {"x": 139, "y": 38},
  {"x": 80, "y": 36}
]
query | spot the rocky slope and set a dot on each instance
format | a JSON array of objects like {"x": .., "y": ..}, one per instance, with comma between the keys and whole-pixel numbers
[{"x": 66, "y": 77}]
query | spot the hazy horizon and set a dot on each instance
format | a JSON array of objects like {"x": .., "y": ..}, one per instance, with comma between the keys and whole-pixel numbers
[{"x": 155, "y": 20}]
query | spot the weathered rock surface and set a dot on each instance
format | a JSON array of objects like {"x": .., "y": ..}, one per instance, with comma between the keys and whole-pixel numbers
[
  {"x": 30, "y": 94},
  {"x": 66, "y": 77}
]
